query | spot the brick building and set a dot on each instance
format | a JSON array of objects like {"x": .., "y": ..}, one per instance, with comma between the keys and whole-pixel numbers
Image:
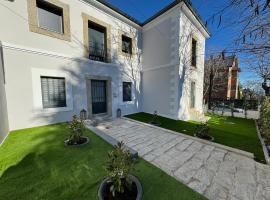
[{"x": 225, "y": 81}]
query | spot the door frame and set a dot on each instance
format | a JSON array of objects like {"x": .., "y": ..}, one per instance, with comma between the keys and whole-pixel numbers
[{"x": 108, "y": 94}]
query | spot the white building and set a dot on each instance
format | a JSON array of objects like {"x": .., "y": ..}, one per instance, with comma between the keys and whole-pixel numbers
[{"x": 61, "y": 56}]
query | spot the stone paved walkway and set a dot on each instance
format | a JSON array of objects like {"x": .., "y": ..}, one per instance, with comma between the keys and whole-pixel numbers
[{"x": 212, "y": 171}]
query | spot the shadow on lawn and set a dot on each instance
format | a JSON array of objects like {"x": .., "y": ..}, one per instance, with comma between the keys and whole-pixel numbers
[{"x": 50, "y": 168}]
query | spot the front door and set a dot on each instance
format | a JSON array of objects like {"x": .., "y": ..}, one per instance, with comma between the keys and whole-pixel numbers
[{"x": 98, "y": 93}]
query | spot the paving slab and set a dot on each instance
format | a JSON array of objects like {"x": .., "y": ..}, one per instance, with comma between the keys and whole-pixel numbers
[{"x": 215, "y": 171}]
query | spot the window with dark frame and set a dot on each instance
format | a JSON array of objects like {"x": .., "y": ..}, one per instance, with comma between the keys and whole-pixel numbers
[
  {"x": 97, "y": 42},
  {"x": 53, "y": 92},
  {"x": 50, "y": 16},
  {"x": 192, "y": 94},
  {"x": 126, "y": 44},
  {"x": 194, "y": 53},
  {"x": 127, "y": 91}
]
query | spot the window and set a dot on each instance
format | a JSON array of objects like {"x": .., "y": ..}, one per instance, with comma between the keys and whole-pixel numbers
[
  {"x": 192, "y": 95},
  {"x": 126, "y": 44},
  {"x": 50, "y": 16},
  {"x": 97, "y": 42},
  {"x": 127, "y": 91},
  {"x": 194, "y": 52},
  {"x": 53, "y": 92}
]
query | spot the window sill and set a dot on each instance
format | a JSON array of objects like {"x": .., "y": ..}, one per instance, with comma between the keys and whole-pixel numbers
[{"x": 54, "y": 110}]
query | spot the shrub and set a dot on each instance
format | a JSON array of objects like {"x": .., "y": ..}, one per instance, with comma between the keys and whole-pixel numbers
[
  {"x": 119, "y": 165},
  {"x": 264, "y": 120},
  {"x": 203, "y": 131},
  {"x": 76, "y": 126}
]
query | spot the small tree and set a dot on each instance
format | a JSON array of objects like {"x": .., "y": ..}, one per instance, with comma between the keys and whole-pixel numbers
[
  {"x": 265, "y": 118},
  {"x": 119, "y": 165},
  {"x": 76, "y": 126}
]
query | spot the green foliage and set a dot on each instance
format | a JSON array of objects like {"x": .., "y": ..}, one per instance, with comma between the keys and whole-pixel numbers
[
  {"x": 202, "y": 130},
  {"x": 265, "y": 118},
  {"x": 41, "y": 168},
  {"x": 234, "y": 132},
  {"x": 119, "y": 165},
  {"x": 76, "y": 126}
]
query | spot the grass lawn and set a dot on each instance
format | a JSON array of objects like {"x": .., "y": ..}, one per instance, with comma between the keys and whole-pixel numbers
[
  {"x": 35, "y": 164},
  {"x": 230, "y": 131}
]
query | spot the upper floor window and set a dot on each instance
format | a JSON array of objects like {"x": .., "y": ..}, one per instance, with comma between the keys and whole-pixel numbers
[
  {"x": 97, "y": 42},
  {"x": 126, "y": 44},
  {"x": 194, "y": 53},
  {"x": 53, "y": 92},
  {"x": 50, "y": 16}
]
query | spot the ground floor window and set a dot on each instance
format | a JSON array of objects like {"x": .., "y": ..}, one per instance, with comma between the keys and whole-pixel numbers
[
  {"x": 53, "y": 92},
  {"x": 127, "y": 91}
]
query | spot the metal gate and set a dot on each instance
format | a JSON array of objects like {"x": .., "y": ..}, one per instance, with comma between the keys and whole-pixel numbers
[{"x": 98, "y": 92}]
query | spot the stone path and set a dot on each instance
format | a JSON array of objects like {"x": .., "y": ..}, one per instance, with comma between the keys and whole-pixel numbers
[{"x": 214, "y": 172}]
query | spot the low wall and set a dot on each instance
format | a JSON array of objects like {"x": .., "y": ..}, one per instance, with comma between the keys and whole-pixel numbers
[{"x": 251, "y": 114}]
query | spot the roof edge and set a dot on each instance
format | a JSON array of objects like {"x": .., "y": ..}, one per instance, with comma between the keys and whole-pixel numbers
[{"x": 163, "y": 10}]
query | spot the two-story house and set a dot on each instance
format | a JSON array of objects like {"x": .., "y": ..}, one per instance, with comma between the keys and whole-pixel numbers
[{"x": 61, "y": 56}]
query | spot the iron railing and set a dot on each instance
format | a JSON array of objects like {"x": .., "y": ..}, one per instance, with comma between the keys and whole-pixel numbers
[{"x": 98, "y": 52}]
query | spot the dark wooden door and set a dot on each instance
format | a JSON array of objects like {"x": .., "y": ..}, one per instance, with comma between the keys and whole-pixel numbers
[{"x": 98, "y": 91}]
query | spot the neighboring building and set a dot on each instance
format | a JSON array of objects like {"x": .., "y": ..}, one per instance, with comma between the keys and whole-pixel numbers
[
  {"x": 225, "y": 81},
  {"x": 62, "y": 56}
]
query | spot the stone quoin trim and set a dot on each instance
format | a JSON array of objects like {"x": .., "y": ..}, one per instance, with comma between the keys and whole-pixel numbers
[
  {"x": 86, "y": 19},
  {"x": 33, "y": 20}
]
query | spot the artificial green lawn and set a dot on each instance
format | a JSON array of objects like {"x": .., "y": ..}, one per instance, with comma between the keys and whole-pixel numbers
[
  {"x": 230, "y": 131},
  {"x": 35, "y": 164}
]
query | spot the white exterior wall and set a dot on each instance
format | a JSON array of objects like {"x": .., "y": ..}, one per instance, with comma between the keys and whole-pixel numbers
[
  {"x": 187, "y": 73},
  {"x": 167, "y": 71},
  {"x": 161, "y": 64},
  {"x": 4, "y": 126},
  {"x": 25, "y": 52}
]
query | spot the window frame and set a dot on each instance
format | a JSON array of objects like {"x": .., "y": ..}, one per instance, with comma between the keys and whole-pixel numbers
[
  {"x": 89, "y": 19},
  {"x": 194, "y": 51},
  {"x": 124, "y": 99},
  {"x": 34, "y": 21},
  {"x": 49, "y": 92},
  {"x": 51, "y": 8},
  {"x": 131, "y": 44},
  {"x": 104, "y": 29},
  {"x": 37, "y": 92}
]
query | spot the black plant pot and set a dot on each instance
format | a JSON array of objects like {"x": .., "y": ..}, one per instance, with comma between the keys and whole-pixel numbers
[
  {"x": 208, "y": 137},
  {"x": 104, "y": 187},
  {"x": 83, "y": 141}
]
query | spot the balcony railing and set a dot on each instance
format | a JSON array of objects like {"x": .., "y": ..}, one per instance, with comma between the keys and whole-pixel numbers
[{"x": 98, "y": 53}]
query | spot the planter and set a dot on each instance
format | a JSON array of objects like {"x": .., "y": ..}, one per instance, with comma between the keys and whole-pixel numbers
[
  {"x": 83, "y": 141},
  {"x": 137, "y": 188},
  {"x": 208, "y": 138}
]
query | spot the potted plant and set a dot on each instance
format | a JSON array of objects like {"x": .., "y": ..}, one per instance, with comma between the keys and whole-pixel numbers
[
  {"x": 120, "y": 184},
  {"x": 155, "y": 120},
  {"x": 76, "y": 127},
  {"x": 202, "y": 131}
]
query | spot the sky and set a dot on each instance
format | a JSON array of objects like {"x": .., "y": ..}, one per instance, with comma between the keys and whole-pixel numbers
[{"x": 222, "y": 36}]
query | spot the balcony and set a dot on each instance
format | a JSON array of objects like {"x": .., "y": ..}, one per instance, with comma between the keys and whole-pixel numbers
[{"x": 98, "y": 52}]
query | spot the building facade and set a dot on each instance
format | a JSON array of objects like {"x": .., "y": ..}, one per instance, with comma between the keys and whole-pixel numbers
[
  {"x": 225, "y": 78},
  {"x": 62, "y": 56}
]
